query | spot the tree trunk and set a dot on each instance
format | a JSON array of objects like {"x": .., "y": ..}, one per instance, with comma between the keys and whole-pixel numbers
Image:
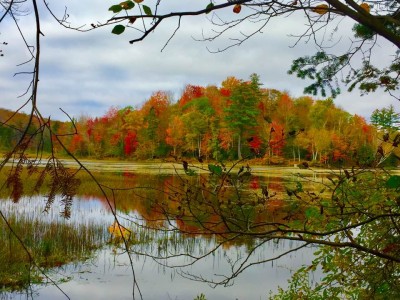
[
  {"x": 315, "y": 156},
  {"x": 199, "y": 144},
  {"x": 239, "y": 148}
]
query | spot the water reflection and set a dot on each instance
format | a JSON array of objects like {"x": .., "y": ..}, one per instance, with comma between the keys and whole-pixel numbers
[
  {"x": 108, "y": 274},
  {"x": 109, "y": 278}
]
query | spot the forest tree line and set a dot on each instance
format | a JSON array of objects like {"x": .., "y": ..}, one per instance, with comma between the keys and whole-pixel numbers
[{"x": 239, "y": 119}]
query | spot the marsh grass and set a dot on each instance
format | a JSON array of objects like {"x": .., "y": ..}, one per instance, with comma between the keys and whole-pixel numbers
[{"x": 50, "y": 244}]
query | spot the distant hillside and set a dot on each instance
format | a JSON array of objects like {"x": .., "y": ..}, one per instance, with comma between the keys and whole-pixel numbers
[{"x": 12, "y": 125}]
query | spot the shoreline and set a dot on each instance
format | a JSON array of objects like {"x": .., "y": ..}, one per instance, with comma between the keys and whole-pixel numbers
[{"x": 165, "y": 168}]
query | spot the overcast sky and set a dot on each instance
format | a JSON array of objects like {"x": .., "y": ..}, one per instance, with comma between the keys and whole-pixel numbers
[{"x": 86, "y": 73}]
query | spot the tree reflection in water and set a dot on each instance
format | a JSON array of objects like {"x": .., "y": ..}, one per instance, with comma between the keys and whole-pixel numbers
[{"x": 170, "y": 246}]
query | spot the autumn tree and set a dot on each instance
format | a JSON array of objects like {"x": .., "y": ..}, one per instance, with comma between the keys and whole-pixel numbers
[
  {"x": 152, "y": 132},
  {"x": 189, "y": 93},
  {"x": 196, "y": 126},
  {"x": 361, "y": 136},
  {"x": 319, "y": 113},
  {"x": 241, "y": 110},
  {"x": 229, "y": 84},
  {"x": 103, "y": 135},
  {"x": 130, "y": 143},
  {"x": 302, "y": 106},
  {"x": 285, "y": 113},
  {"x": 276, "y": 138},
  {"x": 175, "y": 133},
  {"x": 296, "y": 140}
]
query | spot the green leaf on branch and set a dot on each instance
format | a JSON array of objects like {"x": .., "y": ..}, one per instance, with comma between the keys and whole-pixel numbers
[
  {"x": 322, "y": 69},
  {"x": 364, "y": 32},
  {"x": 393, "y": 182},
  {"x": 115, "y": 8},
  {"x": 118, "y": 29},
  {"x": 215, "y": 169},
  {"x": 147, "y": 10},
  {"x": 209, "y": 7},
  {"x": 127, "y": 5}
]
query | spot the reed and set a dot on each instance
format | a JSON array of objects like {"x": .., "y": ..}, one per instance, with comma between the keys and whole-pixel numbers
[{"x": 50, "y": 245}]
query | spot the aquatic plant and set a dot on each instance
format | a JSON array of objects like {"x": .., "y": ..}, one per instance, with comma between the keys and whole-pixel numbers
[{"x": 34, "y": 245}]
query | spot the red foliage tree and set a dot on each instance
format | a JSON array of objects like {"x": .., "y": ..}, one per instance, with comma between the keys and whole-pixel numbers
[
  {"x": 175, "y": 133},
  {"x": 225, "y": 92},
  {"x": 115, "y": 139},
  {"x": 366, "y": 129},
  {"x": 277, "y": 138},
  {"x": 75, "y": 144},
  {"x": 340, "y": 148},
  {"x": 159, "y": 102},
  {"x": 191, "y": 92},
  {"x": 255, "y": 144},
  {"x": 261, "y": 107},
  {"x": 90, "y": 123},
  {"x": 130, "y": 143}
]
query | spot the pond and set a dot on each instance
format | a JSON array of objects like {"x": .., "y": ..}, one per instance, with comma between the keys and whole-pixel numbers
[{"x": 100, "y": 267}]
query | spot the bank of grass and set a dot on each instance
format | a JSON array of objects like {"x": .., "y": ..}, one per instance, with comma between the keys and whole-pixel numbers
[
  {"x": 31, "y": 243},
  {"x": 35, "y": 243}
]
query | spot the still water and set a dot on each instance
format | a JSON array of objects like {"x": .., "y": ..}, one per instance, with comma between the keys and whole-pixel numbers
[{"x": 108, "y": 274}]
